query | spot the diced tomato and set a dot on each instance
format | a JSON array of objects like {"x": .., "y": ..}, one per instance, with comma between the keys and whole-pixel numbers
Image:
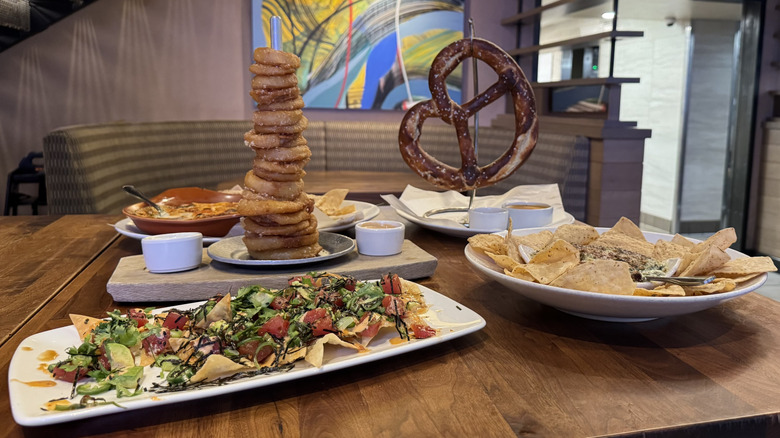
[
  {"x": 394, "y": 306},
  {"x": 350, "y": 284},
  {"x": 316, "y": 282},
  {"x": 138, "y": 315},
  {"x": 175, "y": 321},
  {"x": 372, "y": 329},
  {"x": 103, "y": 360},
  {"x": 276, "y": 327},
  {"x": 391, "y": 284},
  {"x": 320, "y": 322},
  {"x": 279, "y": 303},
  {"x": 422, "y": 331},
  {"x": 156, "y": 344},
  {"x": 250, "y": 350},
  {"x": 69, "y": 376}
]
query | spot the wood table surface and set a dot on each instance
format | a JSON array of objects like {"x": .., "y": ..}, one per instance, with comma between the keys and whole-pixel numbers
[
  {"x": 532, "y": 371},
  {"x": 363, "y": 186}
]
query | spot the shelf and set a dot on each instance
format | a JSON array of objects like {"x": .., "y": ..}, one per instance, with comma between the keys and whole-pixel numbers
[
  {"x": 585, "y": 81},
  {"x": 515, "y": 19},
  {"x": 577, "y": 41}
]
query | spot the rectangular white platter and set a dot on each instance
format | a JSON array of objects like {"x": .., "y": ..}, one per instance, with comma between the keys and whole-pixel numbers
[{"x": 451, "y": 318}]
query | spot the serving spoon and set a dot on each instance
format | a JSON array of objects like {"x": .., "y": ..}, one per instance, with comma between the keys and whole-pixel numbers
[
  {"x": 140, "y": 195},
  {"x": 682, "y": 281}
]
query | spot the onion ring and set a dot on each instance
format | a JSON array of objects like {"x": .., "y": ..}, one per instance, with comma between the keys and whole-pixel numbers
[
  {"x": 284, "y": 105},
  {"x": 279, "y": 219},
  {"x": 295, "y": 153},
  {"x": 289, "y": 129},
  {"x": 278, "y": 166},
  {"x": 269, "y": 56},
  {"x": 265, "y": 97},
  {"x": 303, "y": 252},
  {"x": 272, "y": 176},
  {"x": 278, "y": 230},
  {"x": 510, "y": 80},
  {"x": 276, "y": 118},
  {"x": 274, "y": 82},
  {"x": 287, "y": 191},
  {"x": 272, "y": 70},
  {"x": 268, "y": 141},
  {"x": 265, "y": 243},
  {"x": 258, "y": 206}
]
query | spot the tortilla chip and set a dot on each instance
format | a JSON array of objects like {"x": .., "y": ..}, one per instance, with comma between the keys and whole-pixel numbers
[
  {"x": 745, "y": 266},
  {"x": 316, "y": 351},
  {"x": 220, "y": 312},
  {"x": 217, "y": 366},
  {"x": 550, "y": 263},
  {"x": 576, "y": 234},
  {"x": 330, "y": 203},
  {"x": 719, "y": 285},
  {"x": 723, "y": 239},
  {"x": 626, "y": 227},
  {"x": 703, "y": 262},
  {"x": 668, "y": 290},
  {"x": 520, "y": 271},
  {"x": 488, "y": 243},
  {"x": 603, "y": 276},
  {"x": 503, "y": 261},
  {"x": 537, "y": 241},
  {"x": 623, "y": 241},
  {"x": 84, "y": 324},
  {"x": 677, "y": 239},
  {"x": 665, "y": 250}
]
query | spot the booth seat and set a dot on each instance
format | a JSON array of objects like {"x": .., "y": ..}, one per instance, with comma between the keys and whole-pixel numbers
[{"x": 86, "y": 165}]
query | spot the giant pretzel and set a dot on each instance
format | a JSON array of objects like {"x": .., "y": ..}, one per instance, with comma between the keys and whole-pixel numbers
[{"x": 510, "y": 79}]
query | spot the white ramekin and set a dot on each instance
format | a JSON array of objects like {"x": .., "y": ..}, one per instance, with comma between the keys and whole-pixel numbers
[
  {"x": 172, "y": 252},
  {"x": 379, "y": 238},
  {"x": 529, "y": 218}
]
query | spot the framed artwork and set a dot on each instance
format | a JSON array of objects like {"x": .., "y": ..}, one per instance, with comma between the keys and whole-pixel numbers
[{"x": 363, "y": 54}]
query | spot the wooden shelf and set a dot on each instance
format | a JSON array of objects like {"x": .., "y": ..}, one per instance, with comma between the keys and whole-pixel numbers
[
  {"x": 577, "y": 41},
  {"x": 515, "y": 19},
  {"x": 585, "y": 81}
]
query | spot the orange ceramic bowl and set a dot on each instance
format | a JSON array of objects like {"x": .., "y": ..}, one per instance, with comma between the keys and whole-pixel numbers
[{"x": 214, "y": 226}]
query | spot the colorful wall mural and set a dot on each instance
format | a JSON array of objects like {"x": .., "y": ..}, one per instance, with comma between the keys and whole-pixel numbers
[{"x": 364, "y": 54}]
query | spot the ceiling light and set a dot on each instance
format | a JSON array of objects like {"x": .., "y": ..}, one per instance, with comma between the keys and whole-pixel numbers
[{"x": 608, "y": 15}]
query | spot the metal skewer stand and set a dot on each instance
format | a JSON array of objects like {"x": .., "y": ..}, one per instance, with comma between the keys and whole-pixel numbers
[{"x": 473, "y": 193}]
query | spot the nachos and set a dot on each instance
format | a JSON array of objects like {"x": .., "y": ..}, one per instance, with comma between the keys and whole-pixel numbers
[{"x": 258, "y": 331}]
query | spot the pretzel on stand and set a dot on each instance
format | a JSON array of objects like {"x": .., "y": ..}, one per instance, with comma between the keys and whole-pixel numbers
[{"x": 510, "y": 80}]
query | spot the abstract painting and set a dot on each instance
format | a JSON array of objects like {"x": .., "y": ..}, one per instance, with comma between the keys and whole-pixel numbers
[{"x": 364, "y": 54}]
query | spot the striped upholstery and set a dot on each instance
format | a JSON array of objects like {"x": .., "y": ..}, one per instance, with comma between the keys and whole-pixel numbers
[{"x": 87, "y": 165}]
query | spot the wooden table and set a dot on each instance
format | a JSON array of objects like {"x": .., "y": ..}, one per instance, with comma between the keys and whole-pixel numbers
[
  {"x": 363, "y": 186},
  {"x": 532, "y": 371}
]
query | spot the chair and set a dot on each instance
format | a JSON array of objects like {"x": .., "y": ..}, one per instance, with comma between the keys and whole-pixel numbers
[{"x": 28, "y": 172}]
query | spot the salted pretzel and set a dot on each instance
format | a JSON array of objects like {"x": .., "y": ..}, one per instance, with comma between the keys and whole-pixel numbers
[{"x": 510, "y": 80}]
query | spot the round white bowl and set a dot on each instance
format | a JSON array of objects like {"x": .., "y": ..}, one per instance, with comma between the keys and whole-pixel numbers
[
  {"x": 173, "y": 252},
  {"x": 379, "y": 238}
]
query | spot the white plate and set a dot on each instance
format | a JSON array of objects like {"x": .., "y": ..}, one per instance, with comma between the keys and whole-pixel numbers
[
  {"x": 233, "y": 251},
  {"x": 454, "y": 319},
  {"x": 607, "y": 307},
  {"x": 364, "y": 210},
  {"x": 127, "y": 227},
  {"x": 461, "y": 230}
]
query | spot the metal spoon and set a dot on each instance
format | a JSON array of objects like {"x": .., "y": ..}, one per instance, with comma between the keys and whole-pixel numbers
[
  {"x": 138, "y": 194},
  {"x": 682, "y": 281}
]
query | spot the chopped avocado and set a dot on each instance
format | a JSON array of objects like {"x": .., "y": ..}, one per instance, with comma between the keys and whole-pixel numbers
[
  {"x": 119, "y": 356},
  {"x": 128, "y": 378}
]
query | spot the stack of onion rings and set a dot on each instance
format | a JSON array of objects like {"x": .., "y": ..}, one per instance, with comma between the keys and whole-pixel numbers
[{"x": 278, "y": 220}]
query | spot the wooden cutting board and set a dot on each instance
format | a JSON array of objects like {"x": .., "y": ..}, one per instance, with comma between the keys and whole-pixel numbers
[{"x": 131, "y": 282}]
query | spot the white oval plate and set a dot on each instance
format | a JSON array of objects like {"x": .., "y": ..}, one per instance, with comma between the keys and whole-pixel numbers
[
  {"x": 233, "y": 251},
  {"x": 451, "y": 318},
  {"x": 462, "y": 231},
  {"x": 607, "y": 307}
]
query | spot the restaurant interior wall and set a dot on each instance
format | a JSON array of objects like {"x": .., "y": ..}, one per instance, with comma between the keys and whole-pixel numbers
[{"x": 156, "y": 60}]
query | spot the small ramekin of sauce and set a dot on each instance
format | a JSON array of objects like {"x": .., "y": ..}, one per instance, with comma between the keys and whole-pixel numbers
[
  {"x": 379, "y": 238},
  {"x": 529, "y": 214},
  {"x": 172, "y": 252}
]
